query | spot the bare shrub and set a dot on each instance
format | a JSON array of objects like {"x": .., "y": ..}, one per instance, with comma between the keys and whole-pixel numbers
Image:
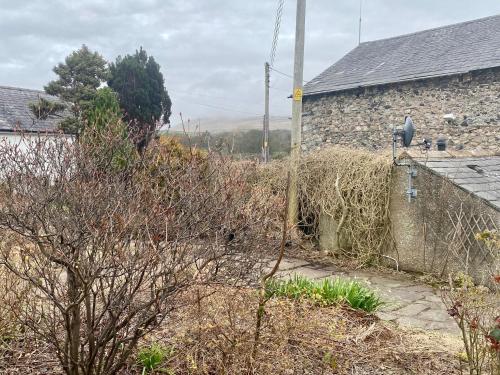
[
  {"x": 107, "y": 239},
  {"x": 476, "y": 310}
]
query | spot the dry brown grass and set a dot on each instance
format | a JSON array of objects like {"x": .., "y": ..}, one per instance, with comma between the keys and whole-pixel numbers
[
  {"x": 13, "y": 296},
  {"x": 216, "y": 337}
]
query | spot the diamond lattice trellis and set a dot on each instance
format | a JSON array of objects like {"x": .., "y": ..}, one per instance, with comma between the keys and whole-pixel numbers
[{"x": 462, "y": 242}]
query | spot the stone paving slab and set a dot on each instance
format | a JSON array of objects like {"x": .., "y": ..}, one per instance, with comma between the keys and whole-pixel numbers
[
  {"x": 288, "y": 264},
  {"x": 309, "y": 272},
  {"x": 407, "y": 303}
]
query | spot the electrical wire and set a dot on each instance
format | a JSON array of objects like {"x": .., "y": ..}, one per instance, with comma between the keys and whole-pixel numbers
[
  {"x": 284, "y": 74},
  {"x": 218, "y": 107},
  {"x": 277, "y": 25}
]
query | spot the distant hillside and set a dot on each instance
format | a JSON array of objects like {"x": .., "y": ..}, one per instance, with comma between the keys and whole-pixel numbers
[
  {"x": 226, "y": 124},
  {"x": 244, "y": 144}
]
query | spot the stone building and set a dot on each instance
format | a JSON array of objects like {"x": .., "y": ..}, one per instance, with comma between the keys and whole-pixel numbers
[{"x": 447, "y": 79}]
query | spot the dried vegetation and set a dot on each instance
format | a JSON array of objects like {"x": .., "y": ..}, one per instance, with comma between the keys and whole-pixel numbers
[
  {"x": 298, "y": 337},
  {"x": 106, "y": 238},
  {"x": 349, "y": 186}
]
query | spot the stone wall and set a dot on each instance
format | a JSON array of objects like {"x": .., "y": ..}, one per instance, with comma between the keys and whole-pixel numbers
[{"x": 364, "y": 117}]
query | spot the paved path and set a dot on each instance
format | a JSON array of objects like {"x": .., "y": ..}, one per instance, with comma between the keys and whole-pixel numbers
[{"x": 409, "y": 303}]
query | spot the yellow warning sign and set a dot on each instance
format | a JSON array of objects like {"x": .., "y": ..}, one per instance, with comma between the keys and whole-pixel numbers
[{"x": 297, "y": 95}]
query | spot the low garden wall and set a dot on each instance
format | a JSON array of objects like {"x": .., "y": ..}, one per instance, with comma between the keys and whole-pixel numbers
[{"x": 435, "y": 233}]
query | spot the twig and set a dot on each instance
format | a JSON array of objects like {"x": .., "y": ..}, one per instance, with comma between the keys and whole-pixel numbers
[
  {"x": 344, "y": 210},
  {"x": 262, "y": 292}
]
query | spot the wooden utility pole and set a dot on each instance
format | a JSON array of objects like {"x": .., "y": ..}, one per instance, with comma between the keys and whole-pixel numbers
[
  {"x": 265, "y": 130},
  {"x": 298, "y": 79}
]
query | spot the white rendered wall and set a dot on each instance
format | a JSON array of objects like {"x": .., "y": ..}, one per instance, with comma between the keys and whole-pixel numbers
[{"x": 21, "y": 139}]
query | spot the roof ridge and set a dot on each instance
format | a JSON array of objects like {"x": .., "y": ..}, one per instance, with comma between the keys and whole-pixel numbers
[
  {"x": 23, "y": 89},
  {"x": 431, "y": 29},
  {"x": 441, "y": 51}
]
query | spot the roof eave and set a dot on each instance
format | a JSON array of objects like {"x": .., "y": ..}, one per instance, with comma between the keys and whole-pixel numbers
[
  {"x": 470, "y": 193},
  {"x": 33, "y": 131}
]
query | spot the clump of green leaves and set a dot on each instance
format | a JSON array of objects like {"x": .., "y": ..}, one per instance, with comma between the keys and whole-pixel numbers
[
  {"x": 326, "y": 292},
  {"x": 106, "y": 132},
  {"x": 104, "y": 109},
  {"x": 45, "y": 108},
  {"x": 151, "y": 357}
]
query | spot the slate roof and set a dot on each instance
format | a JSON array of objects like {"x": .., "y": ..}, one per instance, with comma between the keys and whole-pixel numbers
[
  {"x": 477, "y": 175},
  {"x": 15, "y": 113},
  {"x": 442, "y": 51}
]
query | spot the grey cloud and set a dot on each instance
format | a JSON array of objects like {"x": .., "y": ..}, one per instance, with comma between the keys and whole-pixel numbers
[{"x": 211, "y": 51}]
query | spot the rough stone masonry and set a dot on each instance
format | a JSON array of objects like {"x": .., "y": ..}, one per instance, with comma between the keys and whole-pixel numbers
[{"x": 464, "y": 109}]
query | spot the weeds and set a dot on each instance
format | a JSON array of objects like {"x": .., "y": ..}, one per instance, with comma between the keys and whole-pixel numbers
[
  {"x": 362, "y": 182},
  {"x": 151, "y": 357},
  {"x": 325, "y": 293},
  {"x": 297, "y": 337}
]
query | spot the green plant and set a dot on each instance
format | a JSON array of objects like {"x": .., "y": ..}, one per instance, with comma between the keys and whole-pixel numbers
[
  {"x": 44, "y": 108},
  {"x": 152, "y": 357},
  {"x": 330, "y": 360},
  {"x": 107, "y": 132},
  {"x": 78, "y": 79},
  {"x": 103, "y": 109},
  {"x": 141, "y": 91},
  {"x": 326, "y": 292}
]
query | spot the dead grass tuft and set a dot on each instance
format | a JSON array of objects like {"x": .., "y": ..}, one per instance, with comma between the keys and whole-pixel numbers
[
  {"x": 297, "y": 337},
  {"x": 214, "y": 335}
]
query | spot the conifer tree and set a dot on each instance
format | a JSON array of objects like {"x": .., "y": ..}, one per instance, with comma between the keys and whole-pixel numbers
[
  {"x": 79, "y": 77},
  {"x": 141, "y": 89}
]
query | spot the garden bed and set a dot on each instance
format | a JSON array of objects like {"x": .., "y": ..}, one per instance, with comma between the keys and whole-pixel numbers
[
  {"x": 214, "y": 335},
  {"x": 298, "y": 337}
]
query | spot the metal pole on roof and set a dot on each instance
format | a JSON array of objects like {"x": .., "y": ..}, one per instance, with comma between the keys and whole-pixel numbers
[{"x": 298, "y": 75}]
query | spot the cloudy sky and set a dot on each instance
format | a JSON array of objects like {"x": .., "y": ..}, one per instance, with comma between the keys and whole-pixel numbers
[{"x": 211, "y": 51}]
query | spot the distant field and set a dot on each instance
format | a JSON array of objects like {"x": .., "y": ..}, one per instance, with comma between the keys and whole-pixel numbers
[
  {"x": 242, "y": 143},
  {"x": 223, "y": 124}
]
